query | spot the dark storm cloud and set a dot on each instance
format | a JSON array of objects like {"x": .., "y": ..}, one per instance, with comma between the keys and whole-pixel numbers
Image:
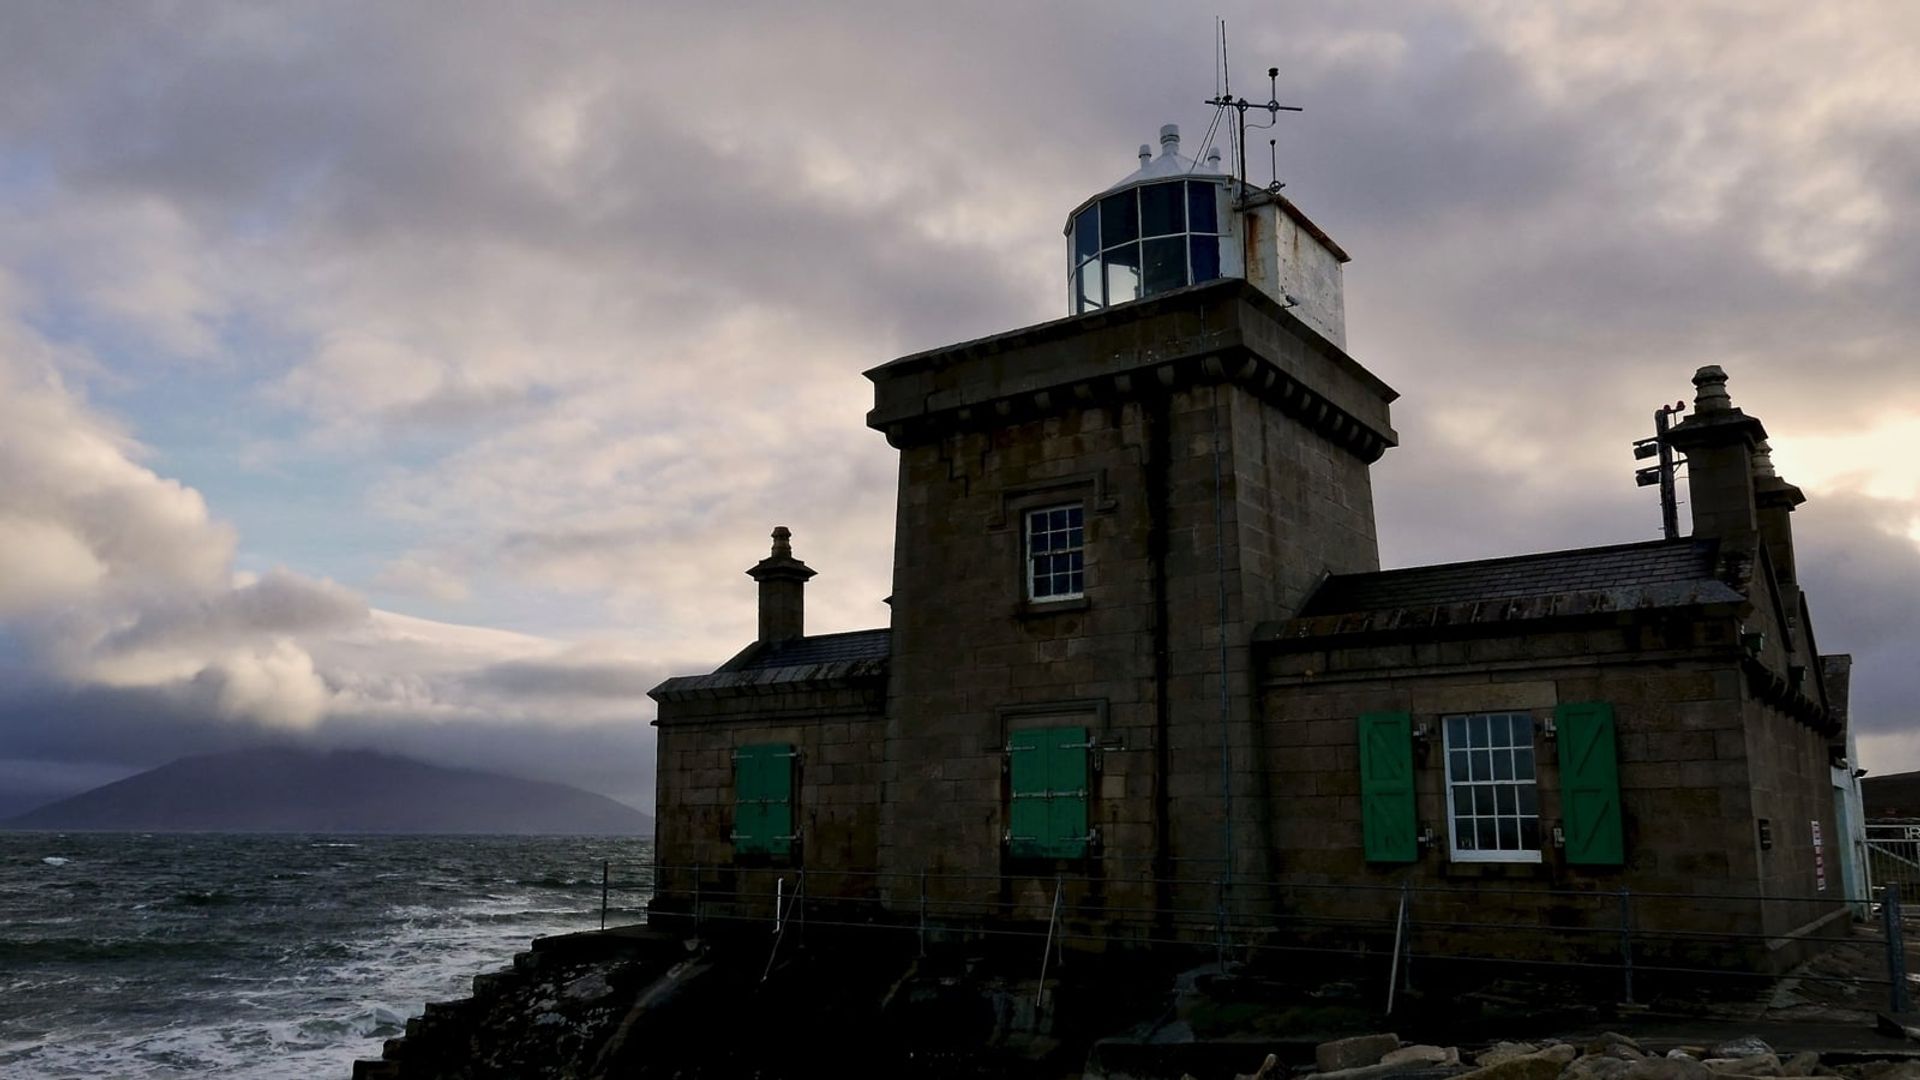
[
  {"x": 59, "y": 740},
  {"x": 636, "y": 256},
  {"x": 278, "y": 603},
  {"x": 1861, "y": 574}
]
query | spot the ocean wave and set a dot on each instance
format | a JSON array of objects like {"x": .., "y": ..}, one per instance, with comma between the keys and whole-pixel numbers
[
  {"x": 108, "y": 950},
  {"x": 55, "y": 860},
  {"x": 203, "y": 898}
]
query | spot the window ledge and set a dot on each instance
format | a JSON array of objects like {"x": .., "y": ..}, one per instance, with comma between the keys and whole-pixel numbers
[
  {"x": 1487, "y": 869},
  {"x": 1034, "y": 609}
]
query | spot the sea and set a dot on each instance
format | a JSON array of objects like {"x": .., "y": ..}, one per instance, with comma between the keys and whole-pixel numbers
[{"x": 167, "y": 955}]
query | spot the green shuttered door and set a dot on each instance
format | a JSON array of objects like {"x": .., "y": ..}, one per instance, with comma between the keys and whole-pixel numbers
[
  {"x": 1388, "y": 821},
  {"x": 1049, "y": 780},
  {"x": 763, "y": 799},
  {"x": 1590, "y": 784}
]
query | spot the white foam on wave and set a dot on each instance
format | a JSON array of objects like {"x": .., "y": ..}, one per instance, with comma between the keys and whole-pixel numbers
[{"x": 55, "y": 860}]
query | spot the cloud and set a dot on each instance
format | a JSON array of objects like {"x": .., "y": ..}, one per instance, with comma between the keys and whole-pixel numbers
[{"x": 547, "y": 322}]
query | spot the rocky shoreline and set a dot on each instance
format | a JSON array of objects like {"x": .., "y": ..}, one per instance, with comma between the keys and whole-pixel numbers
[{"x": 639, "y": 1002}]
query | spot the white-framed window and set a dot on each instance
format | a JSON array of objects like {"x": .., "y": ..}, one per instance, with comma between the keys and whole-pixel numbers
[
  {"x": 1056, "y": 552},
  {"x": 1493, "y": 799}
]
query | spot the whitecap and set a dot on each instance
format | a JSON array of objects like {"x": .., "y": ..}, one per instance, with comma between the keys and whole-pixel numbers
[{"x": 54, "y": 860}]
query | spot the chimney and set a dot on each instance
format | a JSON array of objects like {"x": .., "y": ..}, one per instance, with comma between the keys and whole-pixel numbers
[
  {"x": 1774, "y": 500},
  {"x": 783, "y": 583},
  {"x": 1719, "y": 441},
  {"x": 1169, "y": 139}
]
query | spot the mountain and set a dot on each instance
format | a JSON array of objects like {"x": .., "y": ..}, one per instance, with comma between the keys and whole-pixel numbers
[{"x": 277, "y": 789}]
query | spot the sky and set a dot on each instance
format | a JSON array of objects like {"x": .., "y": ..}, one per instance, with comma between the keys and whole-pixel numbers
[{"x": 423, "y": 376}]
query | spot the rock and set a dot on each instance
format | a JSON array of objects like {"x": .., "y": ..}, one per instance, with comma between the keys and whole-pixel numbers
[
  {"x": 1751, "y": 1065},
  {"x": 1525, "y": 1067},
  {"x": 1805, "y": 1063},
  {"x": 1694, "y": 1052},
  {"x": 1675, "y": 1066},
  {"x": 1267, "y": 1068},
  {"x": 1354, "y": 1052},
  {"x": 1903, "y": 1070},
  {"x": 589, "y": 987},
  {"x": 1559, "y": 1053},
  {"x": 1374, "y": 1072},
  {"x": 1596, "y": 1067},
  {"x": 1504, "y": 1051},
  {"x": 1610, "y": 1042},
  {"x": 1744, "y": 1046},
  {"x": 1423, "y": 1054}
]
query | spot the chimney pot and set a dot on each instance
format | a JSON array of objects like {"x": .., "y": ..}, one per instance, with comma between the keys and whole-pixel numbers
[
  {"x": 1710, "y": 386},
  {"x": 1170, "y": 138},
  {"x": 783, "y": 583}
]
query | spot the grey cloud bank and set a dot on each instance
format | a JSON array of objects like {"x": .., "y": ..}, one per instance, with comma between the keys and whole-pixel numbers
[{"x": 587, "y": 298}]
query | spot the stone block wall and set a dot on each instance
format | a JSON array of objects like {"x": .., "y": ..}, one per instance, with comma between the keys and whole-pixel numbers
[
  {"x": 1139, "y": 659},
  {"x": 1699, "y": 761},
  {"x": 837, "y": 733}
]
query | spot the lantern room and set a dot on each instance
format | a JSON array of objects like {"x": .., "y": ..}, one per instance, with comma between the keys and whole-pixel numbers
[{"x": 1176, "y": 221}]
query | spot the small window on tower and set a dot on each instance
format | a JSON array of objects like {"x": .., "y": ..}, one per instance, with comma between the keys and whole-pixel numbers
[{"x": 1056, "y": 553}]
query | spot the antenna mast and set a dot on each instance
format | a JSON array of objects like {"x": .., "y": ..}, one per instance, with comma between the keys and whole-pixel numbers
[{"x": 1272, "y": 107}]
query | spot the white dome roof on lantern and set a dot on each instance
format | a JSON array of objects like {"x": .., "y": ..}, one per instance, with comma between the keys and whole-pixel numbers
[{"x": 1171, "y": 164}]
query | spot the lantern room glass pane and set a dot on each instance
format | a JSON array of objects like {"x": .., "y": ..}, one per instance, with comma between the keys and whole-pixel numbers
[
  {"x": 1202, "y": 211},
  {"x": 1086, "y": 233},
  {"x": 1123, "y": 273},
  {"x": 1119, "y": 218},
  {"x": 1162, "y": 210},
  {"x": 1206, "y": 258},
  {"x": 1166, "y": 265},
  {"x": 1088, "y": 293}
]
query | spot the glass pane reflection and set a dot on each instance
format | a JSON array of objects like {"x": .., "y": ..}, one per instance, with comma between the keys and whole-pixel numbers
[{"x": 1123, "y": 273}]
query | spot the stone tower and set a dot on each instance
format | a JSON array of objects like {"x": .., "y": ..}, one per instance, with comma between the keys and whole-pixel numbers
[{"x": 1094, "y": 515}]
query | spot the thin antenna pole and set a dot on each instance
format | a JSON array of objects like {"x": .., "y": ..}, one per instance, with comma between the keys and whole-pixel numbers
[
  {"x": 1271, "y": 107},
  {"x": 1219, "y": 61}
]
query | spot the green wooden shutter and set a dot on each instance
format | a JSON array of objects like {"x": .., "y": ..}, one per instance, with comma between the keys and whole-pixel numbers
[
  {"x": 1067, "y": 806},
  {"x": 1590, "y": 784},
  {"x": 1388, "y": 820},
  {"x": 1048, "y": 817},
  {"x": 1028, "y": 826},
  {"x": 763, "y": 799}
]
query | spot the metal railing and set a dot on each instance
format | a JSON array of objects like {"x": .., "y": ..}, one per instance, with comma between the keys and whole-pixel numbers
[{"x": 1651, "y": 934}]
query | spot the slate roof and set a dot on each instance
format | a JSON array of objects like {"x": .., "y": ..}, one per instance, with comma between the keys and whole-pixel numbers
[
  {"x": 822, "y": 649},
  {"x": 1624, "y": 577},
  {"x": 1582, "y": 570},
  {"x": 819, "y": 661}
]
